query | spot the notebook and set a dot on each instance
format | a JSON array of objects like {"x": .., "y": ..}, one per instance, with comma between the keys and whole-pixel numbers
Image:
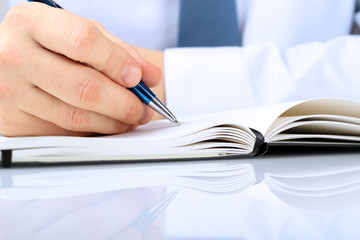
[{"x": 249, "y": 131}]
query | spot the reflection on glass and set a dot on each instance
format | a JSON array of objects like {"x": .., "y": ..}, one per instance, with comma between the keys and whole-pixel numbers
[
  {"x": 318, "y": 183},
  {"x": 123, "y": 214},
  {"x": 319, "y": 179},
  {"x": 312, "y": 197}
]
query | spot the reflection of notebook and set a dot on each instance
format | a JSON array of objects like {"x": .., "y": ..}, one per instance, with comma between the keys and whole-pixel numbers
[
  {"x": 55, "y": 182},
  {"x": 322, "y": 182},
  {"x": 327, "y": 182},
  {"x": 244, "y": 131}
]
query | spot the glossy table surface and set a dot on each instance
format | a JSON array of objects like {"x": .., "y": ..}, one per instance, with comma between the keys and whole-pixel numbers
[{"x": 293, "y": 195}]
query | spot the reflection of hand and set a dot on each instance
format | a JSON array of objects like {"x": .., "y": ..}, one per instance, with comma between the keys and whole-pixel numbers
[
  {"x": 62, "y": 74},
  {"x": 95, "y": 216}
]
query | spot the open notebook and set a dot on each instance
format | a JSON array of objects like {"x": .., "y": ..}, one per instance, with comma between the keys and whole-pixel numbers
[{"x": 239, "y": 132}]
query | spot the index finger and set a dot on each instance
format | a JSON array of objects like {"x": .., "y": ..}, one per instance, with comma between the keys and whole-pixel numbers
[{"x": 79, "y": 39}]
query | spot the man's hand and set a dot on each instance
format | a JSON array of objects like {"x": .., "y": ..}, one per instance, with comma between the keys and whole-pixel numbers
[
  {"x": 154, "y": 57},
  {"x": 61, "y": 74}
]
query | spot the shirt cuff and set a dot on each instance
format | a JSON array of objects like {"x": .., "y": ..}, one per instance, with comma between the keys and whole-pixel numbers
[{"x": 203, "y": 80}]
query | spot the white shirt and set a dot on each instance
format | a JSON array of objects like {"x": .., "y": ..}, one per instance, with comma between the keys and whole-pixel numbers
[{"x": 292, "y": 49}]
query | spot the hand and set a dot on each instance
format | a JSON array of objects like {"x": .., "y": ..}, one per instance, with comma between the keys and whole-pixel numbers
[
  {"x": 155, "y": 57},
  {"x": 61, "y": 75}
]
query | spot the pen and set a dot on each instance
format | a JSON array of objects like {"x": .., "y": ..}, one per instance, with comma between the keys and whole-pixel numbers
[
  {"x": 149, "y": 215},
  {"x": 140, "y": 90}
]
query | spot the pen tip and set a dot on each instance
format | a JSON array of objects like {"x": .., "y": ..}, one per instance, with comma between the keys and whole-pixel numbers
[{"x": 177, "y": 122}]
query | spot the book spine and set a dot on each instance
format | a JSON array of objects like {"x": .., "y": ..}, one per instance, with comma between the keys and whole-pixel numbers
[
  {"x": 6, "y": 157},
  {"x": 260, "y": 146}
]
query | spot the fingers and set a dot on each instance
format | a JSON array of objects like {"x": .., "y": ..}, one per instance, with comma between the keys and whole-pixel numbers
[
  {"x": 37, "y": 113},
  {"x": 14, "y": 123},
  {"x": 83, "y": 88},
  {"x": 152, "y": 74},
  {"x": 24, "y": 104},
  {"x": 78, "y": 39},
  {"x": 63, "y": 75},
  {"x": 68, "y": 117}
]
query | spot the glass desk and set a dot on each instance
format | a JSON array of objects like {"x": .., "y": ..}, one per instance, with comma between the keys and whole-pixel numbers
[{"x": 278, "y": 196}]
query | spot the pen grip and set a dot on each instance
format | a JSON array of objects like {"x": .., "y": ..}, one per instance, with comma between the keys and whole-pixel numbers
[{"x": 143, "y": 92}]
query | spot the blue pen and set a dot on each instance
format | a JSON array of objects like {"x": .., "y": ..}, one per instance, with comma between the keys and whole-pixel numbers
[{"x": 140, "y": 90}]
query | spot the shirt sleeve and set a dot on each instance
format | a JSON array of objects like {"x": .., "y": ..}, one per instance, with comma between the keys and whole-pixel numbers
[{"x": 201, "y": 80}]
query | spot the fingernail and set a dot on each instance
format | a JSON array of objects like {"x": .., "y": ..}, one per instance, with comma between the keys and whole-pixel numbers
[{"x": 131, "y": 75}]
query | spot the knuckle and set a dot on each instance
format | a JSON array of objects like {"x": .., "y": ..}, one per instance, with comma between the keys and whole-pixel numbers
[
  {"x": 132, "y": 112},
  {"x": 83, "y": 37},
  {"x": 10, "y": 57},
  {"x": 88, "y": 92},
  {"x": 78, "y": 119},
  {"x": 117, "y": 60},
  {"x": 19, "y": 15}
]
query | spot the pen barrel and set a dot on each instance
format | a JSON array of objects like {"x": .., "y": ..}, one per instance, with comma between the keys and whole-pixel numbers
[{"x": 143, "y": 92}]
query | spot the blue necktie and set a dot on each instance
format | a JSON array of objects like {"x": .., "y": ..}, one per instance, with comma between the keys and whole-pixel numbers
[{"x": 208, "y": 23}]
